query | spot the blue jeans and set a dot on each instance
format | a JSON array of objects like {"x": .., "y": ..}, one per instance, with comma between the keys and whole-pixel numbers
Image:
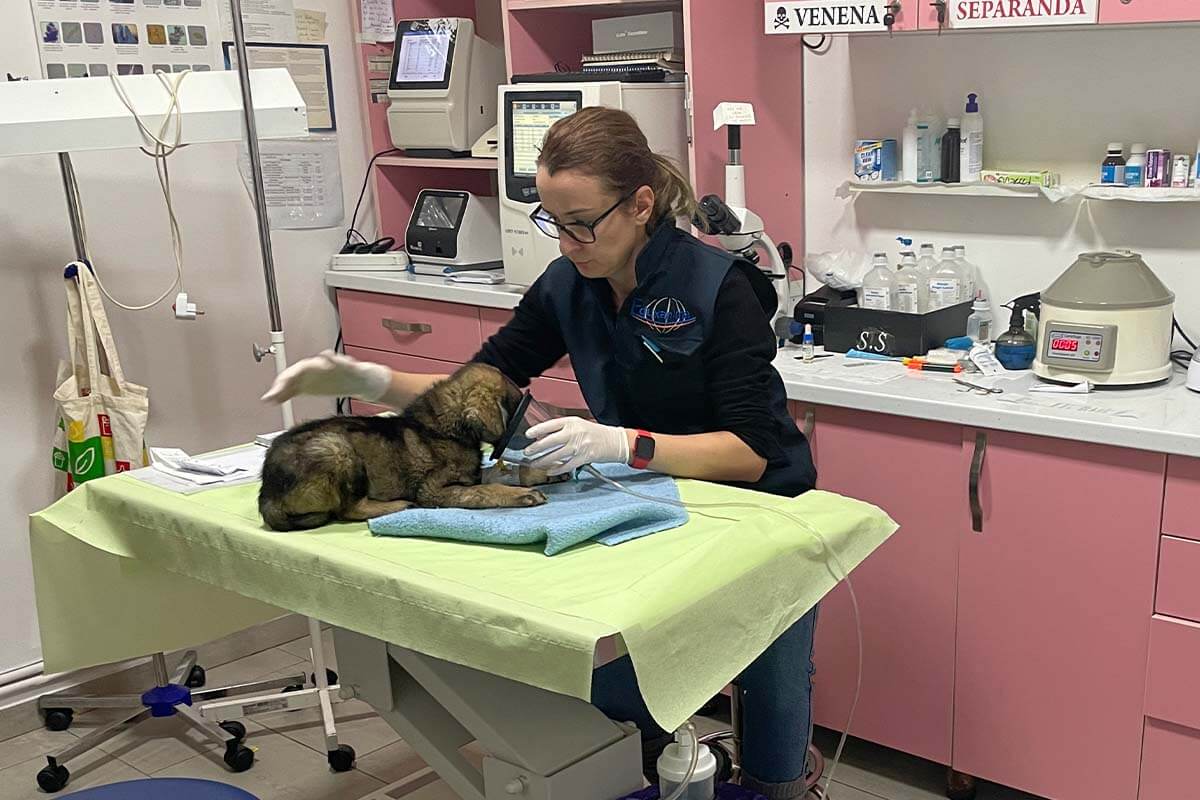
[{"x": 776, "y": 704}]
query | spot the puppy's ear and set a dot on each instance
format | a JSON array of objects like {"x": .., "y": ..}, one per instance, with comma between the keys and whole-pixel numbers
[{"x": 483, "y": 413}]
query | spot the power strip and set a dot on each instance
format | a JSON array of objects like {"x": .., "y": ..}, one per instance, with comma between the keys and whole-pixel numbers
[{"x": 395, "y": 261}]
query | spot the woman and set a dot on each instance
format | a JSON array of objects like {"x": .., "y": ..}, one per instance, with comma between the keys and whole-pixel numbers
[{"x": 671, "y": 343}]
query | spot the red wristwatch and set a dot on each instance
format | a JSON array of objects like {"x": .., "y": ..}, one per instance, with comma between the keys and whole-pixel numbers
[{"x": 643, "y": 450}]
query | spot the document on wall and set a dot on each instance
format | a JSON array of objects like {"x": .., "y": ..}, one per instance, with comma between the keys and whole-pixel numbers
[
  {"x": 310, "y": 25},
  {"x": 378, "y": 21},
  {"x": 308, "y": 64},
  {"x": 262, "y": 20},
  {"x": 94, "y": 38},
  {"x": 302, "y": 180}
]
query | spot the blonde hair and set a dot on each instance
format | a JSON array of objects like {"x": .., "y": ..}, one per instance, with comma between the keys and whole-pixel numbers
[{"x": 607, "y": 144}]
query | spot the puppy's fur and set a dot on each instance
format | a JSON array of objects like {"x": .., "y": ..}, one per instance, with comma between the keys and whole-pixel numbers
[{"x": 355, "y": 468}]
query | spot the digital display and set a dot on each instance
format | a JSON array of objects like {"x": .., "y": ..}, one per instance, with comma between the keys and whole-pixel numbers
[
  {"x": 423, "y": 56},
  {"x": 1065, "y": 345},
  {"x": 440, "y": 211},
  {"x": 1078, "y": 347},
  {"x": 531, "y": 120}
]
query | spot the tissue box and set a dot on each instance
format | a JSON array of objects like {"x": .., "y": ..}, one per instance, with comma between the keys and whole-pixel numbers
[
  {"x": 875, "y": 160},
  {"x": 1046, "y": 179}
]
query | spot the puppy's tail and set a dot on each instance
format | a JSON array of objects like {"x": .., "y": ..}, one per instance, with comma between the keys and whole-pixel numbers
[{"x": 279, "y": 519}]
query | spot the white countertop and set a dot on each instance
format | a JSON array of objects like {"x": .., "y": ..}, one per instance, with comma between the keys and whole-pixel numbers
[
  {"x": 1163, "y": 418},
  {"x": 427, "y": 287}
]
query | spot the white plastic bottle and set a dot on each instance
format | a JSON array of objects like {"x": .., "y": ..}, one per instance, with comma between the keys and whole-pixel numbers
[
  {"x": 980, "y": 323},
  {"x": 673, "y": 765},
  {"x": 927, "y": 161},
  {"x": 908, "y": 284},
  {"x": 927, "y": 264},
  {"x": 1135, "y": 167},
  {"x": 970, "y": 163},
  {"x": 970, "y": 273},
  {"x": 945, "y": 285},
  {"x": 910, "y": 150},
  {"x": 879, "y": 286}
]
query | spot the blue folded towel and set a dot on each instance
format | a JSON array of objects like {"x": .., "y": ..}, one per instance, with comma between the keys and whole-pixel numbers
[{"x": 576, "y": 511}]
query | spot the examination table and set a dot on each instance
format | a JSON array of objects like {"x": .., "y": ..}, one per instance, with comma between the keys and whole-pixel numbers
[{"x": 453, "y": 642}]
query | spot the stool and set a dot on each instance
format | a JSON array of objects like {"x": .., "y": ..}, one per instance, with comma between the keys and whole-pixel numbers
[{"x": 158, "y": 788}]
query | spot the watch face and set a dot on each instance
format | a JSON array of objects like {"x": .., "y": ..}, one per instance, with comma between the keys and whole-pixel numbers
[{"x": 643, "y": 448}]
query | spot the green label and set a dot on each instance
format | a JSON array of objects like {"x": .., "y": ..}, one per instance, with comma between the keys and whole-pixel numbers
[
  {"x": 87, "y": 459},
  {"x": 60, "y": 459}
]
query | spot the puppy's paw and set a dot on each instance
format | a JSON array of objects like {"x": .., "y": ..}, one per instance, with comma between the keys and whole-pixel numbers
[{"x": 530, "y": 497}]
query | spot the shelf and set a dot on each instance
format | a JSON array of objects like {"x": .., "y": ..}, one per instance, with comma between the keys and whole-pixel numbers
[
  {"x": 1140, "y": 195},
  {"x": 443, "y": 163},
  {"x": 588, "y": 5},
  {"x": 958, "y": 190}
]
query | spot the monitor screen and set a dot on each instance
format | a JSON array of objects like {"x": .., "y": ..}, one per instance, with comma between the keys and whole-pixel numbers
[
  {"x": 531, "y": 119},
  {"x": 440, "y": 211},
  {"x": 423, "y": 56}
]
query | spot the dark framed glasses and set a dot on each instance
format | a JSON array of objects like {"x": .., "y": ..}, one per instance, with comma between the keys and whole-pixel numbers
[{"x": 582, "y": 232}]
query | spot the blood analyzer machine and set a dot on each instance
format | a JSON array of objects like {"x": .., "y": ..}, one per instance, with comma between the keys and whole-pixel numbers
[
  {"x": 526, "y": 112},
  {"x": 451, "y": 231},
  {"x": 442, "y": 86}
]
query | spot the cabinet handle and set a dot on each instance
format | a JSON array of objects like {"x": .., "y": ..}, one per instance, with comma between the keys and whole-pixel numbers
[
  {"x": 810, "y": 423},
  {"x": 419, "y": 328},
  {"x": 976, "y": 469}
]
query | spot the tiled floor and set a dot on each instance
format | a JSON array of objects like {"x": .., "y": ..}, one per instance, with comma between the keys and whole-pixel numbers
[{"x": 290, "y": 760}]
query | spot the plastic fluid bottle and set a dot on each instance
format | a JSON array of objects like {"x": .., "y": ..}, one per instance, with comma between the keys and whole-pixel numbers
[
  {"x": 908, "y": 284},
  {"x": 970, "y": 163},
  {"x": 910, "y": 150},
  {"x": 945, "y": 285},
  {"x": 951, "y": 147},
  {"x": 970, "y": 272},
  {"x": 980, "y": 323},
  {"x": 879, "y": 286},
  {"x": 1135, "y": 167},
  {"x": 927, "y": 264},
  {"x": 673, "y": 765},
  {"x": 806, "y": 344},
  {"x": 1112, "y": 169}
]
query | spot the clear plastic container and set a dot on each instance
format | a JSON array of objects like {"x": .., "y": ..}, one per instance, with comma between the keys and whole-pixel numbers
[
  {"x": 970, "y": 273},
  {"x": 879, "y": 286},
  {"x": 945, "y": 285},
  {"x": 981, "y": 323},
  {"x": 672, "y": 768},
  {"x": 908, "y": 284}
]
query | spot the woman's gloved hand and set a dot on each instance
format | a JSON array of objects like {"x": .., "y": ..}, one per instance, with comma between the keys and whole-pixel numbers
[
  {"x": 568, "y": 443},
  {"x": 331, "y": 374}
]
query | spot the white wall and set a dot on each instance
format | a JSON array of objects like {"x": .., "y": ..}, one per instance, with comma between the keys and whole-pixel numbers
[
  {"x": 1051, "y": 100},
  {"x": 204, "y": 384}
]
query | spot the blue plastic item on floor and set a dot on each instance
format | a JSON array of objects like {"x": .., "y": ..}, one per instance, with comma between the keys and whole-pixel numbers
[
  {"x": 576, "y": 511},
  {"x": 725, "y": 791},
  {"x": 160, "y": 788}
]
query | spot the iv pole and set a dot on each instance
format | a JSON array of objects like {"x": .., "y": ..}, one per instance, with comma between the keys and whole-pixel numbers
[{"x": 276, "y": 348}]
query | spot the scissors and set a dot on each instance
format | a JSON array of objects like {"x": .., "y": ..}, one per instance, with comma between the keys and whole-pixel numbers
[{"x": 975, "y": 387}]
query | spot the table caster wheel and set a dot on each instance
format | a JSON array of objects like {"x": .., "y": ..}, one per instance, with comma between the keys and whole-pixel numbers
[
  {"x": 331, "y": 677},
  {"x": 960, "y": 786},
  {"x": 235, "y": 728},
  {"x": 53, "y": 779},
  {"x": 238, "y": 757},
  {"x": 342, "y": 759},
  {"x": 195, "y": 678},
  {"x": 58, "y": 719}
]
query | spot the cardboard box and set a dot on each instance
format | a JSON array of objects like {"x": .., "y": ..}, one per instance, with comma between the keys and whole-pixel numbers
[
  {"x": 875, "y": 160},
  {"x": 1010, "y": 178}
]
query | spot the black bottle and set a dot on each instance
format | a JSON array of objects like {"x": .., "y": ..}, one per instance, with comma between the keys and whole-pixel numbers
[{"x": 950, "y": 146}]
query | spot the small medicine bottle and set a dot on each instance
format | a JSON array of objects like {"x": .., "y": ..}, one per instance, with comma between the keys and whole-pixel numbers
[{"x": 1112, "y": 170}]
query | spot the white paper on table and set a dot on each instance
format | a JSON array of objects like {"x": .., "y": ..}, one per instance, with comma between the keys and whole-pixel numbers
[
  {"x": 1084, "y": 387},
  {"x": 302, "y": 179},
  {"x": 310, "y": 25},
  {"x": 262, "y": 20},
  {"x": 120, "y": 37},
  {"x": 378, "y": 21}
]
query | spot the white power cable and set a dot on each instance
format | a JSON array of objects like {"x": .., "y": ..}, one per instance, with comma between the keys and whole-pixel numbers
[
  {"x": 163, "y": 145},
  {"x": 831, "y": 560}
]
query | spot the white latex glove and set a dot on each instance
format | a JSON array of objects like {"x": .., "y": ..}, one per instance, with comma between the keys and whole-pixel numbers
[
  {"x": 331, "y": 374},
  {"x": 566, "y": 443}
]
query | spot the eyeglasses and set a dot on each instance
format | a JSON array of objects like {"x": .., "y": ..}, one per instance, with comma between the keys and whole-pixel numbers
[{"x": 582, "y": 232}]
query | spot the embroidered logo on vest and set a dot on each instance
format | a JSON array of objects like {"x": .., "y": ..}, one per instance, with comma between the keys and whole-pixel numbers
[{"x": 662, "y": 315}]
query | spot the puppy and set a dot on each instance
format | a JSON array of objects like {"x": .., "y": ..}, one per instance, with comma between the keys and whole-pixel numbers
[{"x": 356, "y": 468}]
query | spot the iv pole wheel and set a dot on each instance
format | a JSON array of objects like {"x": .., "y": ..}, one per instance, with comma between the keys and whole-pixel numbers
[
  {"x": 53, "y": 779},
  {"x": 58, "y": 719}
]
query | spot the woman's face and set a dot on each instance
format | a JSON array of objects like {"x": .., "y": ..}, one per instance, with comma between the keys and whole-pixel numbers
[{"x": 571, "y": 196}]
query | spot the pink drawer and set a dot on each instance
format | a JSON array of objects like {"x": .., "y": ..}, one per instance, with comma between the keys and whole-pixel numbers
[
  {"x": 1170, "y": 754},
  {"x": 363, "y": 409},
  {"x": 1178, "y": 592},
  {"x": 1172, "y": 688},
  {"x": 493, "y": 319},
  {"x": 426, "y": 328},
  {"x": 1182, "y": 499},
  {"x": 565, "y": 394}
]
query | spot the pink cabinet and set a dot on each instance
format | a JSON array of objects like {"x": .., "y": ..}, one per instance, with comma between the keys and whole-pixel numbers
[
  {"x": 1127, "y": 11},
  {"x": 1170, "y": 754},
  {"x": 1055, "y": 596},
  {"x": 493, "y": 319},
  {"x": 906, "y": 590}
]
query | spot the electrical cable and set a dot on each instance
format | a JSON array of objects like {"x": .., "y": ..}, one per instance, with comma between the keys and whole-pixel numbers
[
  {"x": 352, "y": 231},
  {"x": 163, "y": 147},
  {"x": 1179, "y": 328},
  {"x": 831, "y": 560}
]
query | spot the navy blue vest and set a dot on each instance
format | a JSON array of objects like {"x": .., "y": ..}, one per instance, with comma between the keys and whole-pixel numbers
[{"x": 641, "y": 366}]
